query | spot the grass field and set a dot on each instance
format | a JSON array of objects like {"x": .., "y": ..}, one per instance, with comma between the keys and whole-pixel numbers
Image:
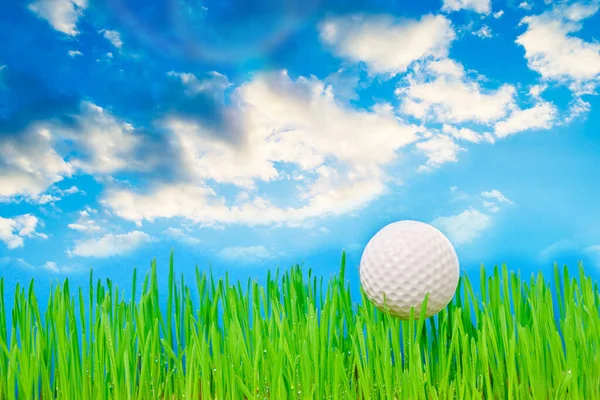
[{"x": 299, "y": 337}]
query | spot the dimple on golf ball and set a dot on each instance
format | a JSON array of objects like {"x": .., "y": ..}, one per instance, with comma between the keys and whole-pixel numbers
[{"x": 404, "y": 261}]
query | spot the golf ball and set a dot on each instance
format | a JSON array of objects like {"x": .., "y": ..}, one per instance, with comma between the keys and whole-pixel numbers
[{"x": 404, "y": 261}]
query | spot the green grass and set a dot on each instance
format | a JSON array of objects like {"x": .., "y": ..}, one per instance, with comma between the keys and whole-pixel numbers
[{"x": 301, "y": 338}]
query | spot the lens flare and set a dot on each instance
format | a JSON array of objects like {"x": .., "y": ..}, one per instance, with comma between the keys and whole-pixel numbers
[{"x": 191, "y": 33}]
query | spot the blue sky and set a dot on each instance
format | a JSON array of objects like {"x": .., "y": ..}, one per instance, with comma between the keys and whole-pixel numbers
[{"x": 248, "y": 135}]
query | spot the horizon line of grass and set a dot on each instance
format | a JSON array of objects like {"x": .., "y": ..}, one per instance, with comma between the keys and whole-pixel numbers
[{"x": 295, "y": 338}]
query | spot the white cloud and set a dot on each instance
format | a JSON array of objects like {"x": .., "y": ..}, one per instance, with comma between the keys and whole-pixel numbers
[
  {"x": 491, "y": 206},
  {"x": 29, "y": 164},
  {"x": 248, "y": 254},
  {"x": 498, "y": 14},
  {"x": 464, "y": 227},
  {"x": 458, "y": 195},
  {"x": 204, "y": 155},
  {"x": 72, "y": 190},
  {"x": 557, "y": 55},
  {"x": 201, "y": 205},
  {"x": 494, "y": 199},
  {"x": 74, "y": 53},
  {"x": 525, "y": 5},
  {"x": 443, "y": 67},
  {"x": 51, "y": 195},
  {"x": 215, "y": 84},
  {"x": 467, "y": 134},
  {"x": 441, "y": 91},
  {"x": 541, "y": 116},
  {"x": 387, "y": 45},
  {"x": 577, "y": 107},
  {"x": 536, "y": 90},
  {"x": 339, "y": 150},
  {"x": 112, "y": 36},
  {"x": 48, "y": 266},
  {"x": 104, "y": 143},
  {"x": 479, "y": 6},
  {"x": 496, "y": 195},
  {"x": 51, "y": 266},
  {"x": 485, "y": 32},
  {"x": 55, "y": 268},
  {"x": 62, "y": 15},
  {"x": 82, "y": 228},
  {"x": 13, "y": 230},
  {"x": 296, "y": 122},
  {"x": 179, "y": 234},
  {"x": 439, "y": 149},
  {"x": 579, "y": 11},
  {"x": 43, "y": 199},
  {"x": 110, "y": 245},
  {"x": 85, "y": 223}
]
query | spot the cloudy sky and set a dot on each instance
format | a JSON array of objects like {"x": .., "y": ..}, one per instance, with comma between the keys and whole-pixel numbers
[{"x": 247, "y": 135}]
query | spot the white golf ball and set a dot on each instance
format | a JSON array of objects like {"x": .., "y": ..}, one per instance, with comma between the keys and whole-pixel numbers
[{"x": 404, "y": 261}]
